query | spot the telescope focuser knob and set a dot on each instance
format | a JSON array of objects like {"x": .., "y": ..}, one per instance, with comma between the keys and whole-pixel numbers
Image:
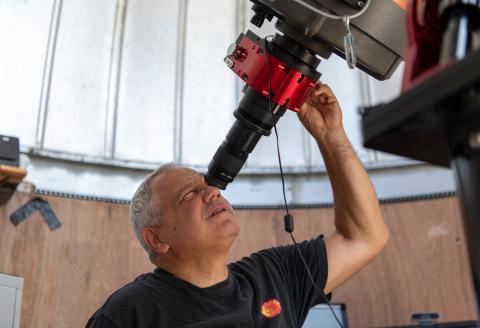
[{"x": 260, "y": 15}]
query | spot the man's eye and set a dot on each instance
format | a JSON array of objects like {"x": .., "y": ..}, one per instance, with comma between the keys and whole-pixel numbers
[{"x": 189, "y": 195}]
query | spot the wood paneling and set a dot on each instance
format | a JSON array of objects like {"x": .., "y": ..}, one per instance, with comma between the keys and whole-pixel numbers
[
  {"x": 423, "y": 268},
  {"x": 69, "y": 272}
]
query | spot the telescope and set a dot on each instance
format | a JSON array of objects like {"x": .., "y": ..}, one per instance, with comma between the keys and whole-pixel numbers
[{"x": 280, "y": 73}]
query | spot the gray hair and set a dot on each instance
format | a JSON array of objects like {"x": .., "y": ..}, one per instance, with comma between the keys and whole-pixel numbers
[{"x": 145, "y": 209}]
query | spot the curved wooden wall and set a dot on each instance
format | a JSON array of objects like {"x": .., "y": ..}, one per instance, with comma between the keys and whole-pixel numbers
[{"x": 69, "y": 272}]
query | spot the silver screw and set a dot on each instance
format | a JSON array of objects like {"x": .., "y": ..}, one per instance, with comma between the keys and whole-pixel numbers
[
  {"x": 360, "y": 4},
  {"x": 231, "y": 49},
  {"x": 228, "y": 61}
]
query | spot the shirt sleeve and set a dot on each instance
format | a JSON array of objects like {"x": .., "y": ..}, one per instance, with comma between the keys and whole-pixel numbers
[
  {"x": 100, "y": 321},
  {"x": 288, "y": 262}
]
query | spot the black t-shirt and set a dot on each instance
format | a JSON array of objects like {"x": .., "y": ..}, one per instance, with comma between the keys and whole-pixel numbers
[{"x": 270, "y": 288}]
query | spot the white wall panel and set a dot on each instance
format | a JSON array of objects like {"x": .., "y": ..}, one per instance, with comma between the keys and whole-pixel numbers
[
  {"x": 209, "y": 89},
  {"x": 78, "y": 96},
  {"x": 145, "y": 125},
  {"x": 258, "y": 189},
  {"x": 148, "y": 109},
  {"x": 385, "y": 91},
  {"x": 24, "y": 27}
]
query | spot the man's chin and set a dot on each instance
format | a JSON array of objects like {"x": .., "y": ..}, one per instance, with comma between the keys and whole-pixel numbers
[
  {"x": 230, "y": 228},
  {"x": 232, "y": 236}
]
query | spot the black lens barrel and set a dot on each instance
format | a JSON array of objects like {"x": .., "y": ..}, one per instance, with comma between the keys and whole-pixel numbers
[{"x": 253, "y": 119}]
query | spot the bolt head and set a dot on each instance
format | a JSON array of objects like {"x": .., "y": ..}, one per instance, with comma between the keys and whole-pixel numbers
[
  {"x": 228, "y": 61},
  {"x": 231, "y": 49}
]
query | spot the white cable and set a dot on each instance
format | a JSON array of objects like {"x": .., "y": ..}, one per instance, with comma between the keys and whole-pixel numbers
[{"x": 333, "y": 16}]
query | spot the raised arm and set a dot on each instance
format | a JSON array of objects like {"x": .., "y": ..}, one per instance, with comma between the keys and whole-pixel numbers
[{"x": 360, "y": 233}]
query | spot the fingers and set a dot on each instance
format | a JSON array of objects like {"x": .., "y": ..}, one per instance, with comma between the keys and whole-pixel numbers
[
  {"x": 322, "y": 88},
  {"x": 322, "y": 94},
  {"x": 321, "y": 100}
]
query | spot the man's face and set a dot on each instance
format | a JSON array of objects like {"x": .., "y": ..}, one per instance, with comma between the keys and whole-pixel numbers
[{"x": 194, "y": 216}]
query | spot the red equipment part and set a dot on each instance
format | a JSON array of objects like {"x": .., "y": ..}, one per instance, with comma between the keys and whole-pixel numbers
[
  {"x": 424, "y": 34},
  {"x": 289, "y": 87}
]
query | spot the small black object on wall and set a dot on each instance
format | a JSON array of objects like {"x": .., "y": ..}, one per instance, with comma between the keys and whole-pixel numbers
[
  {"x": 34, "y": 204},
  {"x": 10, "y": 172},
  {"x": 9, "y": 151}
]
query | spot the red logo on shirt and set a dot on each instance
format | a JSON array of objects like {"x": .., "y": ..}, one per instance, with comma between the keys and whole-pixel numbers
[{"x": 271, "y": 308}]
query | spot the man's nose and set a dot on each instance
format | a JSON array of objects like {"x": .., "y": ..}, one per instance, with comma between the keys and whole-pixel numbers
[{"x": 211, "y": 193}]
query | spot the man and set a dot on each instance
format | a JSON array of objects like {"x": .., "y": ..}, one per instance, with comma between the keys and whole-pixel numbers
[{"x": 187, "y": 228}]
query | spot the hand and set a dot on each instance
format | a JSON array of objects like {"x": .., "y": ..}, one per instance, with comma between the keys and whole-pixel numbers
[{"x": 321, "y": 112}]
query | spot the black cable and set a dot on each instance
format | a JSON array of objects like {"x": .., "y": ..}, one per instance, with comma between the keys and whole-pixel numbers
[
  {"x": 322, "y": 294},
  {"x": 289, "y": 218},
  {"x": 267, "y": 54}
]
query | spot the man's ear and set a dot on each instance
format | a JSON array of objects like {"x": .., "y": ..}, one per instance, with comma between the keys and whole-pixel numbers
[{"x": 153, "y": 241}]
